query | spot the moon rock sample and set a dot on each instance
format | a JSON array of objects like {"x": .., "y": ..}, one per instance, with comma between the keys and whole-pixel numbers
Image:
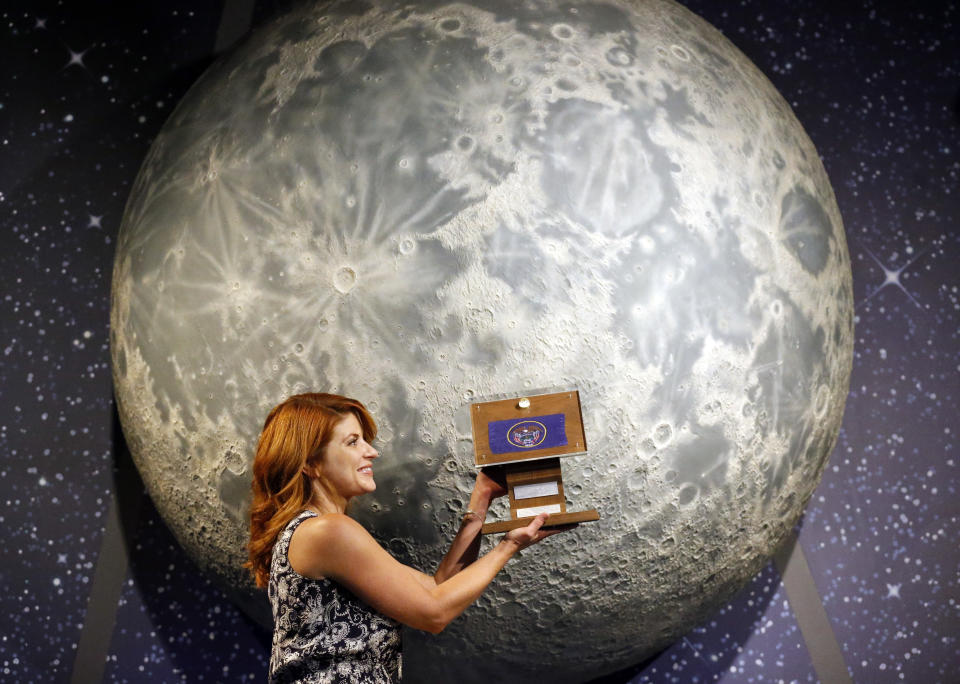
[{"x": 422, "y": 204}]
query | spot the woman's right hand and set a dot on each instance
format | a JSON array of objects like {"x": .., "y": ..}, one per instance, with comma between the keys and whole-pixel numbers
[{"x": 523, "y": 537}]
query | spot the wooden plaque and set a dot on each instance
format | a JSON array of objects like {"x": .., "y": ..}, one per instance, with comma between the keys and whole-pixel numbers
[
  {"x": 497, "y": 428},
  {"x": 527, "y": 436}
]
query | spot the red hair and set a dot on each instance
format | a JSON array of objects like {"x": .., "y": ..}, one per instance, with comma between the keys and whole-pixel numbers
[{"x": 293, "y": 436}]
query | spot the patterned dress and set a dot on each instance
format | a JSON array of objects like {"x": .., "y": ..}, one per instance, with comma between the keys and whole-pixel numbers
[{"x": 322, "y": 632}]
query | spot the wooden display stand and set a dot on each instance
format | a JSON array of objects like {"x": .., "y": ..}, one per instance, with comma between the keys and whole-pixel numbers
[{"x": 527, "y": 436}]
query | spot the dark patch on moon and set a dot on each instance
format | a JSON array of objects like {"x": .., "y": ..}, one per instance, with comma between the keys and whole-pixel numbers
[{"x": 806, "y": 229}]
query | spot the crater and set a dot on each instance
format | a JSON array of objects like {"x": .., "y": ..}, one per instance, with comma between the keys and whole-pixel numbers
[
  {"x": 406, "y": 246},
  {"x": 344, "y": 279},
  {"x": 680, "y": 53},
  {"x": 662, "y": 434},
  {"x": 687, "y": 494},
  {"x": 619, "y": 57}
]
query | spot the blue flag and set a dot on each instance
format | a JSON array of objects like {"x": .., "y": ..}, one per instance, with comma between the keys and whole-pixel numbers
[{"x": 534, "y": 433}]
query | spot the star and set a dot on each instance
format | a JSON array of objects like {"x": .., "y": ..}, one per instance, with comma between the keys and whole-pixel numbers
[
  {"x": 94, "y": 221},
  {"x": 41, "y": 23},
  {"x": 76, "y": 58},
  {"x": 893, "y": 590},
  {"x": 892, "y": 276},
  {"x": 61, "y": 558}
]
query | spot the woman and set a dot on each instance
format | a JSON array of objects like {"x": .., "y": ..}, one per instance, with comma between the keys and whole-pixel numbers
[{"x": 337, "y": 595}]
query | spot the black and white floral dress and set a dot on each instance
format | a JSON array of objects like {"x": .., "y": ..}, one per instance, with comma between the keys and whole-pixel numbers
[{"x": 322, "y": 633}]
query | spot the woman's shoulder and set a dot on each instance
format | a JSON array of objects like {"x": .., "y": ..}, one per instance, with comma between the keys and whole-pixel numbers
[
  {"x": 321, "y": 538},
  {"x": 320, "y": 524}
]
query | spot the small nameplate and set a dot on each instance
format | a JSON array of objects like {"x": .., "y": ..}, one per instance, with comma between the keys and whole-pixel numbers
[
  {"x": 537, "y": 510},
  {"x": 529, "y": 491}
]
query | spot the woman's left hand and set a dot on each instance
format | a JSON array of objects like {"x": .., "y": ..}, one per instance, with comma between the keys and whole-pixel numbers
[{"x": 522, "y": 537}]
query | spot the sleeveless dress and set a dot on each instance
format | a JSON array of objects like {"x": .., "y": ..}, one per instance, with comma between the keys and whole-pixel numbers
[{"x": 322, "y": 633}]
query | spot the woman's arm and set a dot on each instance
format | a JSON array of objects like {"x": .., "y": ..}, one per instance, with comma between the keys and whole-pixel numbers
[
  {"x": 466, "y": 545},
  {"x": 339, "y": 548}
]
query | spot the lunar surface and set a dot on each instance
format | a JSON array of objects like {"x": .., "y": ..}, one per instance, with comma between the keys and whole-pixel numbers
[{"x": 422, "y": 205}]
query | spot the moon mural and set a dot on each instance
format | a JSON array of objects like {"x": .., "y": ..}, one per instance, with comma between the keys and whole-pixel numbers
[{"x": 421, "y": 205}]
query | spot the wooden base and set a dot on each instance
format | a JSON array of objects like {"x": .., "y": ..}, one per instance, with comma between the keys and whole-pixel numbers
[{"x": 555, "y": 520}]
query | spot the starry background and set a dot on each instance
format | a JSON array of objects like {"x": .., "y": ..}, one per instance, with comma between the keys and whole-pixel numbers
[{"x": 84, "y": 87}]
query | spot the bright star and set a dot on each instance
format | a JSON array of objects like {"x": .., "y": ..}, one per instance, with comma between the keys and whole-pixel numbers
[
  {"x": 892, "y": 276},
  {"x": 41, "y": 23},
  {"x": 893, "y": 590},
  {"x": 76, "y": 58},
  {"x": 94, "y": 221}
]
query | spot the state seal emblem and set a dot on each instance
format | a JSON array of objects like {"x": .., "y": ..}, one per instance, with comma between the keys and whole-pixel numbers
[{"x": 527, "y": 434}]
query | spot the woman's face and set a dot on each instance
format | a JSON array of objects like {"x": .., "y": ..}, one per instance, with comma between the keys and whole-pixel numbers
[{"x": 346, "y": 463}]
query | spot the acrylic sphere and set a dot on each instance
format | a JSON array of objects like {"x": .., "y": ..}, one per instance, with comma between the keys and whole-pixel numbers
[{"x": 419, "y": 205}]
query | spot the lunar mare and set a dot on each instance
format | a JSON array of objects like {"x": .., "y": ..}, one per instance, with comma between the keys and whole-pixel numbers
[{"x": 422, "y": 205}]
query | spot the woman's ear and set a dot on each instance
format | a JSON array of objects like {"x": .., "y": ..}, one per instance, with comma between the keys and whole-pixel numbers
[{"x": 311, "y": 470}]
